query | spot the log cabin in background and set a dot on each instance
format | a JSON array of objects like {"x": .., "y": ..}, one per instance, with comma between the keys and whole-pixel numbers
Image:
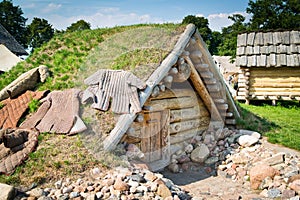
[
  {"x": 10, "y": 49},
  {"x": 269, "y": 66},
  {"x": 185, "y": 95}
]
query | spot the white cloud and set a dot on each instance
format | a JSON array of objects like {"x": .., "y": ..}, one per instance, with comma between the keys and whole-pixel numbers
[
  {"x": 220, "y": 20},
  {"x": 103, "y": 19},
  {"x": 51, "y": 7}
]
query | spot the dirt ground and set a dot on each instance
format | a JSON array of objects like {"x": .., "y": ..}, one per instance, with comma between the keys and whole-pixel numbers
[{"x": 203, "y": 183}]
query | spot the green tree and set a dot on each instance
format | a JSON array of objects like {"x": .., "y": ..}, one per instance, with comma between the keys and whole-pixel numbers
[
  {"x": 202, "y": 24},
  {"x": 229, "y": 35},
  {"x": 39, "y": 32},
  {"x": 79, "y": 25},
  {"x": 216, "y": 41},
  {"x": 13, "y": 21},
  {"x": 274, "y": 14}
]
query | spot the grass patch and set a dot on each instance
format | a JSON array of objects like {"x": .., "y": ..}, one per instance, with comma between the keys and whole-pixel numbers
[
  {"x": 56, "y": 157},
  {"x": 281, "y": 123}
]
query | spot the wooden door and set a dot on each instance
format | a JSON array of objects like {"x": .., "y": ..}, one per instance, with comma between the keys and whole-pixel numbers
[{"x": 155, "y": 139}]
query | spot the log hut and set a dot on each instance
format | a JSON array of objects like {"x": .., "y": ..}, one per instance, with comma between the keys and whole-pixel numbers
[
  {"x": 269, "y": 66},
  {"x": 184, "y": 96},
  {"x": 10, "y": 49}
]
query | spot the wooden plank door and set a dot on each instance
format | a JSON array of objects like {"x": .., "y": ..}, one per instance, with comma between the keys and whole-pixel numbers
[{"x": 155, "y": 139}]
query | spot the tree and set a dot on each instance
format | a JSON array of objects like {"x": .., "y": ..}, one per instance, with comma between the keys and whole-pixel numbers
[
  {"x": 216, "y": 41},
  {"x": 39, "y": 32},
  {"x": 274, "y": 14},
  {"x": 229, "y": 35},
  {"x": 202, "y": 24},
  {"x": 13, "y": 21},
  {"x": 79, "y": 25}
]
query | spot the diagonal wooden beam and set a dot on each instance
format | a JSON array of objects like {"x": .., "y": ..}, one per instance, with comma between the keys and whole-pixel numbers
[{"x": 203, "y": 93}]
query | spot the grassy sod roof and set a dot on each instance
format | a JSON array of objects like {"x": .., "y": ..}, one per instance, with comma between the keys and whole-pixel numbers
[{"x": 10, "y": 42}]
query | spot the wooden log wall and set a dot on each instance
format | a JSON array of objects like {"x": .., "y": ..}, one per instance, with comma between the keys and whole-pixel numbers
[
  {"x": 269, "y": 84},
  {"x": 188, "y": 115}
]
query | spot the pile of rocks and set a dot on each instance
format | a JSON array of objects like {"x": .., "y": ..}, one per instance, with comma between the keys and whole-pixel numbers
[
  {"x": 121, "y": 183},
  {"x": 275, "y": 175},
  {"x": 240, "y": 156},
  {"x": 210, "y": 148}
]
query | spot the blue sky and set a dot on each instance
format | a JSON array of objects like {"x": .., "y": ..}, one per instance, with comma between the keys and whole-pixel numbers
[{"x": 109, "y": 13}]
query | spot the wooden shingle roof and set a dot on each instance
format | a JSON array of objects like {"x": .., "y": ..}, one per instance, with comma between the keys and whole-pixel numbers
[
  {"x": 268, "y": 49},
  {"x": 10, "y": 42}
]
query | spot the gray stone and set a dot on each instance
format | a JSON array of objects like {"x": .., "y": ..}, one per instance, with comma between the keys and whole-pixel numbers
[
  {"x": 295, "y": 198},
  {"x": 67, "y": 189},
  {"x": 200, "y": 153},
  {"x": 189, "y": 148},
  {"x": 74, "y": 194},
  {"x": 58, "y": 184},
  {"x": 247, "y": 140},
  {"x": 44, "y": 198},
  {"x": 286, "y": 194},
  {"x": 273, "y": 193},
  {"x": 211, "y": 160},
  {"x": 275, "y": 159},
  {"x": 7, "y": 192},
  {"x": 290, "y": 171},
  {"x": 63, "y": 197},
  {"x": 36, "y": 192},
  {"x": 138, "y": 178},
  {"x": 173, "y": 167}
]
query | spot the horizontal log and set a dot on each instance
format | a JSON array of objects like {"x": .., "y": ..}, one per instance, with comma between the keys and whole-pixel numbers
[
  {"x": 186, "y": 135},
  {"x": 175, "y": 93},
  {"x": 286, "y": 80},
  {"x": 286, "y": 98},
  {"x": 174, "y": 103},
  {"x": 276, "y": 85},
  {"x": 261, "y": 73},
  {"x": 270, "y": 89},
  {"x": 188, "y": 113},
  {"x": 276, "y": 93},
  {"x": 189, "y": 124}
]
